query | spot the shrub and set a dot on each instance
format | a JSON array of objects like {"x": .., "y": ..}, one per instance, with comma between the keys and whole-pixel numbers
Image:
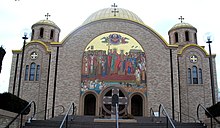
[{"x": 13, "y": 103}]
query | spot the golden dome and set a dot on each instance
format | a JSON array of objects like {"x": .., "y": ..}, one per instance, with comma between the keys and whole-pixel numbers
[
  {"x": 182, "y": 25},
  {"x": 46, "y": 22},
  {"x": 107, "y": 13}
]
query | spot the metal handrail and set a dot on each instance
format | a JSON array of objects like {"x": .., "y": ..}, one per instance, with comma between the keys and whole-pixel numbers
[
  {"x": 152, "y": 112},
  {"x": 48, "y": 110},
  {"x": 200, "y": 105},
  {"x": 116, "y": 112},
  {"x": 66, "y": 115},
  {"x": 166, "y": 114},
  {"x": 21, "y": 113}
]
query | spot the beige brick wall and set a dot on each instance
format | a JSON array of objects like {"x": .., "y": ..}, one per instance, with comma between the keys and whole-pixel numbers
[{"x": 70, "y": 56}]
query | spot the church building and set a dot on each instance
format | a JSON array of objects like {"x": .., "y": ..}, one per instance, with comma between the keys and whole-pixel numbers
[{"x": 113, "y": 52}]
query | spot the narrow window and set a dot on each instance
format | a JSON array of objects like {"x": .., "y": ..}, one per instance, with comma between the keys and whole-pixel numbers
[
  {"x": 195, "y": 75},
  {"x": 200, "y": 76},
  {"x": 26, "y": 72},
  {"x": 176, "y": 37},
  {"x": 37, "y": 72},
  {"x": 195, "y": 37},
  {"x": 32, "y": 71},
  {"x": 51, "y": 34},
  {"x": 32, "y": 34},
  {"x": 41, "y": 32},
  {"x": 189, "y": 76},
  {"x": 187, "y": 35}
]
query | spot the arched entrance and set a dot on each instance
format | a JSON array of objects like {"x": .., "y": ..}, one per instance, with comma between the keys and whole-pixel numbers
[
  {"x": 137, "y": 105},
  {"x": 89, "y": 104}
]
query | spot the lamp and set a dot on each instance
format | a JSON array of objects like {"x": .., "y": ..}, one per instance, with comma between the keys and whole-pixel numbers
[
  {"x": 25, "y": 37},
  {"x": 208, "y": 37}
]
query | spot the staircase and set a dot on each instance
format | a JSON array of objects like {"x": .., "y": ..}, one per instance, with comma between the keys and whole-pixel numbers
[{"x": 88, "y": 122}]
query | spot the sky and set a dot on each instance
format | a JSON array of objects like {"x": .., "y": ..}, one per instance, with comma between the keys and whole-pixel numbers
[{"x": 161, "y": 15}]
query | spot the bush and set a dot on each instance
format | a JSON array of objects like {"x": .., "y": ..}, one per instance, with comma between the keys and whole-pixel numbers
[
  {"x": 13, "y": 103},
  {"x": 214, "y": 110}
]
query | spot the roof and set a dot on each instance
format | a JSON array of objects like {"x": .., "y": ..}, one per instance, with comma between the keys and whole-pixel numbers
[
  {"x": 182, "y": 25},
  {"x": 107, "y": 13},
  {"x": 46, "y": 22}
]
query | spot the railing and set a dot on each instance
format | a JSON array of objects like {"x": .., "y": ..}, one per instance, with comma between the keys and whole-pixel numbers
[
  {"x": 116, "y": 113},
  {"x": 48, "y": 111},
  {"x": 152, "y": 112},
  {"x": 211, "y": 116},
  {"x": 161, "y": 107},
  {"x": 66, "y": 115},
  {"x": 21, "y": 114}
]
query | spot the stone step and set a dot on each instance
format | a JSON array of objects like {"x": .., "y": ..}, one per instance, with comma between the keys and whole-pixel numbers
[{"x": 88, "y": 122}]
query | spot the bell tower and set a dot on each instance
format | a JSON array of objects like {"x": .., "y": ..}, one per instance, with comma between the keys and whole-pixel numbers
[
  {"x": 182, "y": 34},
  {"x": 45, "y": 31}
]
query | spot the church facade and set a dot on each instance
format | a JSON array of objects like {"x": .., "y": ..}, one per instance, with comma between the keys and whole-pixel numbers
[{"x": 113, "y": 53}]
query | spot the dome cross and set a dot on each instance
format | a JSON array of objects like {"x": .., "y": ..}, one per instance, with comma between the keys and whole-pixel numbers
[
  {"x": 115, "y": 10},
  {"x": 181, "y": 19},
  {"x": 47, "y": 15}
]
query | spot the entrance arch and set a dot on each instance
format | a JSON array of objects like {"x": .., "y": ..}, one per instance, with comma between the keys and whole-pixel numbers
[
  {"x": 89, "y": 104},
  {"x": 137, "y": 105}
]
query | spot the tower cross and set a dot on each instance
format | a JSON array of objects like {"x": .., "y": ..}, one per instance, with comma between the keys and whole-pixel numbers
[
  {"x": 115, "y": 10},
  {"x": 181, "y": 19},
  {"x": 48, "y": 15}
]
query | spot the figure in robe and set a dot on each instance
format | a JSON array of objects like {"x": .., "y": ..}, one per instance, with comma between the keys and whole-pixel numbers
[
  {"x": 138, "y": 76},
  {"x": 85, "y": 65}
]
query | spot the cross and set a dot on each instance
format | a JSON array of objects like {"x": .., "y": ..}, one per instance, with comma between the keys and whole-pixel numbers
[
  {"x": 34, "y": 55},
  {"x": 193, "y": 58},
  {"x": 115, "y": 10},
  {"x": 121, "y": 100},
  {"x": 48, "y": 15},
  {"x": 181, "y": 19}
]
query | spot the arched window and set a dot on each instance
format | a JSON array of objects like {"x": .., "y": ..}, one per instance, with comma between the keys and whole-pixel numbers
[
  {"x": 41, "y": 32},
  {"x": 200, "y": 76},
  {"x": 189, "y": 79},
  {"x": 32, "y": 34},
  {"x": 37, "y": 72},
  {"x": 51, "y": 34},
  {"x": 195, "y": 37},
  {"x": 195, "y": 75},
  {"x": 187, "y": 35},
  {"x": 176, "y": 37},
  {"x": 26, "y": 72},
  {"x": 32, "y": 71}
]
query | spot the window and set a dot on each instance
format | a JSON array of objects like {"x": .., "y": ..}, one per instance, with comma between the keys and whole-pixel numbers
[
  {"x": 32, "y": 34},
  {"x": 37, "y": 73},
  {"x": 176, "y": 37},
  {"x": 195, "y": 75},
  {"x": 26, "y": 72},
  {"x": 51, "y": 34},
  {"x": 195, "y": 37},
  {"x": 187, "y": 35},
  {"x": 41, "y": 32},
  {"x": 200, "y": 76},
  {"x": 189, "y": 80},
  {"x": 32, "y": 71}
]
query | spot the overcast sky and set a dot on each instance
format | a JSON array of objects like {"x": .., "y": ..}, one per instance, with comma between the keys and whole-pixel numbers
[{"x": 161, "y": 15}]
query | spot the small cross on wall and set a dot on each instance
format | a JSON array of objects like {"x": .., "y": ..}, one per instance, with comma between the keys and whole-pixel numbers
[
  {"x": 34, "y": 55},
  {"x": 193, "y": 58}
]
